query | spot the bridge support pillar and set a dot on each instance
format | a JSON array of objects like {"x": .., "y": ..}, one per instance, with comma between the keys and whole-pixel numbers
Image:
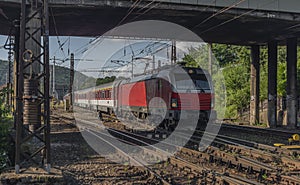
[
  {"x": 272, "y": 84},
  {"x": 254, "y": 85},
  {"x": 292, "y": 83}
]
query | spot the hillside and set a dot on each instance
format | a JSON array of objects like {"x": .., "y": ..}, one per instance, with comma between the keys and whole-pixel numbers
[{"x": 62, "y": 80}]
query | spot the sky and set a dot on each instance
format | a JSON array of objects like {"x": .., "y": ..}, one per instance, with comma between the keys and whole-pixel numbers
[
  {"x": 75, "y": 43},
  {"x": 95, "y": 55}
]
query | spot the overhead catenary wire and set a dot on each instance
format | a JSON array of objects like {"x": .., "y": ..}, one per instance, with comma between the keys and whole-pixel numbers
[
  {"x": 150, "y": 8},
  {"x": 135, "y": 4},
  {"x": 78, "y": 50},
  {"x": 59, "y": 48},
  {"x": 234, "y": 18},
  {"x": 140, "y": 51},
  {"x": 219, "y": 12},
  {"x": 69, "y": 43},
  {"x": 97, "y": 41},
  {"x": 211, "y": 28},
  {"x": 56, "y": 32},
  {"x": 153, "y": 1},
  {"x": 147, "y": 10}
]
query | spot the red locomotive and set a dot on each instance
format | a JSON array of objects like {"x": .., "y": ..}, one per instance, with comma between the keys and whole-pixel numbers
[{"x": 175, "y": 90}]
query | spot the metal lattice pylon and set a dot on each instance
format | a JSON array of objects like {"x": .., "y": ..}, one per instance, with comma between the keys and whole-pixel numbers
[{"x": 33, "y": 53}]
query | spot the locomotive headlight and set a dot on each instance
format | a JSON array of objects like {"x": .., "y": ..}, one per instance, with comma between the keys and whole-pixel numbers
[
  {"x": 191, "y": 71},
  {"x": 174, "y": 103}
]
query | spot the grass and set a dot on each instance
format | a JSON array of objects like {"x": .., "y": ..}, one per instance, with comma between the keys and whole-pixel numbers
[{"x": 261, "y": 124}]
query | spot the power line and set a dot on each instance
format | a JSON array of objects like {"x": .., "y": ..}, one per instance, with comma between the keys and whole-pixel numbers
[
  {"x": 81, "y": 47},
  {"x": 97, "y": 42},
  {"x": 220, "y": 12},
  {"x": 85, "y": 47},
  {"x": 101, "y": 71},
  {"x": 59, "y": 48},
  {"x": 56, "y": 32},
  {"x": 136, "y": 3},
  {"x": 234, "y": 18},
  {"x": 147, "y": 10},
  {"x": 130, "y": 11}
]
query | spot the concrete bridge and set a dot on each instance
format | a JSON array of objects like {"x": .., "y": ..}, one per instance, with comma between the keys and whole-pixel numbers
[{"x": 241, "y": 22}]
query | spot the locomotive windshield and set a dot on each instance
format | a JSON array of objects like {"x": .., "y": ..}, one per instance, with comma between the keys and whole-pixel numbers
[{"x": 200, "y": 82}]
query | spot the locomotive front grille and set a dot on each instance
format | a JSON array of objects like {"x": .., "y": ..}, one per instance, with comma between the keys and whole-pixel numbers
[{"x": 192, "y": 104}]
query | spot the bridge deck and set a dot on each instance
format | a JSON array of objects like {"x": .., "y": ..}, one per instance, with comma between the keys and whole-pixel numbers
[{"x": 247, "y": 22}]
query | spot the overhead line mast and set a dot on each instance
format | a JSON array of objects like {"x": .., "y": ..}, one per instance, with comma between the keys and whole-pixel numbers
[{"x": 32, "y": 91}]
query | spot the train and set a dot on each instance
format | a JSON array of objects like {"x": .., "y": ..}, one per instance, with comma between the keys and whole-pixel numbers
[{"x": 175, "y": 90}]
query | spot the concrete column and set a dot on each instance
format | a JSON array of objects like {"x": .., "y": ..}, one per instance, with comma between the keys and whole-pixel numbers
[
  {"x": 292, "y": 83},
  {"x": 254, "y": 85},
  {"x": 272, "y": 84}
]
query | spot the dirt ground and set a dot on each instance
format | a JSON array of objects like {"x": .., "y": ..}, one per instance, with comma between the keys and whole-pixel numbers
[{"x": 75, "y": 162}]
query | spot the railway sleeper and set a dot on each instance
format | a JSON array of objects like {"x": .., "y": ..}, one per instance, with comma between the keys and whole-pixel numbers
[
  {"x": 291, "y": 163},
  {"x": 290, "y": 180},
  {"x": 240, "y": 163},
  {"x": 252, "y": 153}
]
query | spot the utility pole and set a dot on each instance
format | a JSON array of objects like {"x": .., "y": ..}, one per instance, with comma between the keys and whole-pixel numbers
[
  {"x": 53, "y": 77},
  {"x": 10, "y": 61},
  {"x": 158, "y": 64},
  {"x": 173, "y": 53},
  {"x": 209, "y": 58},
  {"x": 9, "y": 45},
  {"x": 153, "y": 64},
  {"x": 71, "y": 80},
  {"x": 132, "y": 66},
  {"x": 15, "y": 69}
]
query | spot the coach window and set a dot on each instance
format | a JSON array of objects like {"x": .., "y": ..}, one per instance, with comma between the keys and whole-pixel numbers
[
  {"x": 159, "y": 84},
  {"x": 102, "y": 94}
]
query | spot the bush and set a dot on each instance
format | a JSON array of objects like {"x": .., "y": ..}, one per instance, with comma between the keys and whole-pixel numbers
[
  {"x": 4, "y": 144},
  {"x": 5, "y": 124}
]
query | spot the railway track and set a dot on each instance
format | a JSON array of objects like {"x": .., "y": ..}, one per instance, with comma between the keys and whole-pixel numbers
[
  {"x": 201, "y": 174},
  {"x": 253, "y": 160},
  {"x": 270, "y": 135}
]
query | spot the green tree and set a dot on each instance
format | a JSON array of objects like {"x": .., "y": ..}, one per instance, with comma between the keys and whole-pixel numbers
[
  {"x": 235, "y": 66},
  {"x": 4, "y": 110},
  {"x": 237, "y": 88},
  {"x": 105, "y": 80},
  {"x": 235, "y": 63},
  {"x": 281, "y": 73},
  {"x": 5, "y": 124}
]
